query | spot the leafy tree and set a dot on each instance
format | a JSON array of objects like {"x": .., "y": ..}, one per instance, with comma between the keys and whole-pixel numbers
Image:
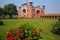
[
  {"x": 10, "y": 9},
  {"x": 56, "y": 27},
  {"x": 1, "y": 11}
]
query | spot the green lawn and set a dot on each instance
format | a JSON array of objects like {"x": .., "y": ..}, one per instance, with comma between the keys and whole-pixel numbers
[{"x": 44, "y": 24}]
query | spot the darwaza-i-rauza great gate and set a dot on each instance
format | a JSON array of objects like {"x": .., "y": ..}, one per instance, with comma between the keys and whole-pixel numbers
[{"x": 29, "y": 11}]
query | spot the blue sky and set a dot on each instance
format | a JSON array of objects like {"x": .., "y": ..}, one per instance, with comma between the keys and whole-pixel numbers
[{"x": 52, "y": 6}]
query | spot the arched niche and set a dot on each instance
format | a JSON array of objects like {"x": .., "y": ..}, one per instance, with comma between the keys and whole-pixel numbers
[
  {"x": 38, "y": 11},
  {"x": 24, "y": 10}
]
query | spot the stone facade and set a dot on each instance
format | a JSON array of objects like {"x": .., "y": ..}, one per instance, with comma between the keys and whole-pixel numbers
[{"x": 30, "y": 11}]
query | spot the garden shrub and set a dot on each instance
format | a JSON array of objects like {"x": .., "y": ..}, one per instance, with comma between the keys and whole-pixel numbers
[
  {"x": 59, "y": 18},
  {"x": 1, "y": 22},
  {"x": 56, "y": 27},
  {"x": 24, "y": 32}
]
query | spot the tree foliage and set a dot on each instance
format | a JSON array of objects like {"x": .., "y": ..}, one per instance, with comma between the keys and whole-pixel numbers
[
  {"x": 10, "y": 9},
  {"x": 1, "y": 11}
]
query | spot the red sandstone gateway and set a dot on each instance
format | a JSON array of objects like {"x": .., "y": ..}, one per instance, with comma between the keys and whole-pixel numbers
[{"x": 30, "y": 11}]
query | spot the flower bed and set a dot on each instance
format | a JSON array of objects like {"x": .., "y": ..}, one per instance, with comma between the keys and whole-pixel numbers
[{"x": 24, "y": 32}]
